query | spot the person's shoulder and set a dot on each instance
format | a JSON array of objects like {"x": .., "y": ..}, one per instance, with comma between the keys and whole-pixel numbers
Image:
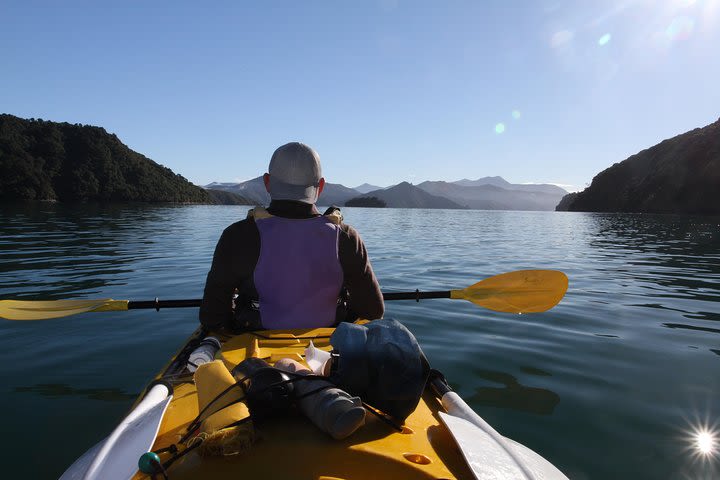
[
  {"x": 241, "y": 226},
  {"x": 350, "y": 233},
  {"x": 334, "y": 215},
  {"x": 349, "y": 229}
]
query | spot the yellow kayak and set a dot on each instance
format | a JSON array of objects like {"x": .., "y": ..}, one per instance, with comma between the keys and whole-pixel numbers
[{"x": 441, "y": 439}]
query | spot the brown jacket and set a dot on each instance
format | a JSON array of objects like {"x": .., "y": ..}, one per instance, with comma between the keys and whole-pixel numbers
[{"x": 237, "y": 253}]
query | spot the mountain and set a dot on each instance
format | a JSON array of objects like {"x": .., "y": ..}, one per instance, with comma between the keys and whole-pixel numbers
[
  {"x": 366, "y": 188},
  {"x": 566, "y": 201},
  {"x": 219, "y": 185},
  {"x": 405, "y": 195},
  {"x": 497, "y": 181},
  {"x": 491, "y": 196},
  {"x": 484, "y": 193},
  {"x": 336, "y": 194},
  {"x": 42, "y": 160},
  {"x": 502, "y": 183},
  {"x": 678, "y": 175},
  {"x": 254, "y": 191},
  {"x": 222, "y": 197}
]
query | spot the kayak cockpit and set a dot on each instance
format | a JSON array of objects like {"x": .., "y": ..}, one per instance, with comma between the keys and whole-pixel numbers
[{"x": 290, "y": 446}]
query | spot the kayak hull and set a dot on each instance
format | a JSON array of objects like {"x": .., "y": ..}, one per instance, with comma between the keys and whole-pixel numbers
[
  {"x": 429, "y": 445},
  {"x": 289, "y": 446}
]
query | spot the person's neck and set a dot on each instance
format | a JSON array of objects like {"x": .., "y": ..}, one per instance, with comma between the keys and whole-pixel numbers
[{"x": 292, "y": 209}]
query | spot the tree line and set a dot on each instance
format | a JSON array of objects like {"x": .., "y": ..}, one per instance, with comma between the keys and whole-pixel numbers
[{"x": 43, "y": 160}]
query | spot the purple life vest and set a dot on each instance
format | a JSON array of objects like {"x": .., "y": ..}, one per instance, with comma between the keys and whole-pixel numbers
[{"x": 298, "y": 275}]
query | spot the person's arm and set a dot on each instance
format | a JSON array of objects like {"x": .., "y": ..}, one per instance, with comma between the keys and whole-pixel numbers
[
  {"x": 233, "y": 262},
  {"x": 216, "y": 307},
  {"x": 366, "y": 299}
]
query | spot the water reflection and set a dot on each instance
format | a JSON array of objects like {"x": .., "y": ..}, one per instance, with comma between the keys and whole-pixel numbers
[
  {"x": 515, "y": 396},
  {"x": 668, "y": 262},
  {"x": 536, "y": 371},
  {"x": 55, "y": 390},
  {"x": 642, "y": 289},
  {"x": 54, "y": 251},
  {"x": 705, "y": 442},
  {"x": 692, "y": 327}
]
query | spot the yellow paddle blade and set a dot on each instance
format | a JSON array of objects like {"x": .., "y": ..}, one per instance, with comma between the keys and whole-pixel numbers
[
  {"x": 45, "y": 309},
  {"x": 522, "y": 291}
]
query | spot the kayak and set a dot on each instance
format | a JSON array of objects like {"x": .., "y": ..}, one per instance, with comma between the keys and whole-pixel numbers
[{"x": 441, "y": 439}]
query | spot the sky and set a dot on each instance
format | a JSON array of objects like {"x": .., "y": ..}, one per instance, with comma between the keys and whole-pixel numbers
[{"x": 542, "y": 91}]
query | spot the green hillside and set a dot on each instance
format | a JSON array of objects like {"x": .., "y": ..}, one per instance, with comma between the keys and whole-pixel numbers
[
  {"x": 42, "y": 160},
  {"x": 678, "y": 175}
]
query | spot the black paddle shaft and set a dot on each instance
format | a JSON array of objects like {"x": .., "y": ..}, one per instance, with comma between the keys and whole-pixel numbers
[
  {"x": 417, "y": 295},
  {"x": 157, "y": 304}
]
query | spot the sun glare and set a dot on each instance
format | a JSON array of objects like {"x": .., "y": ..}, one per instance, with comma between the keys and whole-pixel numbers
[{"x": 705, "y": 442}]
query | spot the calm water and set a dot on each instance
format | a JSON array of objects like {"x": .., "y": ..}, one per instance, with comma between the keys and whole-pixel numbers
[{"x": 609, "y": 384}]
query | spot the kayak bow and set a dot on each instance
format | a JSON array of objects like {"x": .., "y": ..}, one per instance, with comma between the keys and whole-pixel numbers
[{"x": 442, "y": 439}]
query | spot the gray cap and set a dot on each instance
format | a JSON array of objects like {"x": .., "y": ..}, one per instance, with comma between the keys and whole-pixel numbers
[{"x": 295, "y": 173}]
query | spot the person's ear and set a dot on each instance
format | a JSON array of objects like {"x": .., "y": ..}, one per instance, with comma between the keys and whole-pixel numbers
[
  {"x": 266, "y": 181},
  {"x": 321, "y": 184}
]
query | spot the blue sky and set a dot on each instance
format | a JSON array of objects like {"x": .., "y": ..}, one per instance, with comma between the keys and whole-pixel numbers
[{"x": 384, "y": 90}]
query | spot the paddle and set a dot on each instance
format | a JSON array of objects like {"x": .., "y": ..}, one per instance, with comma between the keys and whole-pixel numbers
[
  {"x": 522, "y": 291},
  {"x": 117, "y": 456},
  {"x": 486, "y": 452}
]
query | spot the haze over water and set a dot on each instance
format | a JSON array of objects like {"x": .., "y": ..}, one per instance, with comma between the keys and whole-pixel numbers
[{"x": 615, "y": 382}]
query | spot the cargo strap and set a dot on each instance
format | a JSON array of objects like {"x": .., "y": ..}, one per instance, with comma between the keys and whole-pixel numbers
[{"x": 194, "y": 442}]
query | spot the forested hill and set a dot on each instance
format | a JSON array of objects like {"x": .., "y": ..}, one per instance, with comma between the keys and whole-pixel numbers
[
  {"x": 678, "y": 175},
  {"x": 42, "y": 160}
]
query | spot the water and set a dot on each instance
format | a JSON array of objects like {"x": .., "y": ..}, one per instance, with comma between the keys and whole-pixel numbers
[{"x": 611, "y": 383}]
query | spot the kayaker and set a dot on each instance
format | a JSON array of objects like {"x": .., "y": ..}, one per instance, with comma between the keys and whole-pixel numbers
[{"x": 291, "y": 266}]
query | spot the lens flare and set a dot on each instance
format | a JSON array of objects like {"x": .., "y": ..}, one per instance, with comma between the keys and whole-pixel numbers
[
  {"x": 680, "y": 28},
  {"x": 604, "y": 39},
  {"x": 499, "y": 128},
  {"x": 516, "y": 114},
  {"x": 561, "y": 38}
]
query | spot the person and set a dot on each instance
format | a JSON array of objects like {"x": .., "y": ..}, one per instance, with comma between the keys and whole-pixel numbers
[{"x": 290, "y": 266}]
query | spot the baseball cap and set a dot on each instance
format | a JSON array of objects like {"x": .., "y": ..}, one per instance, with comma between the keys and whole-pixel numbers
[{"x": 295, "y": 173}]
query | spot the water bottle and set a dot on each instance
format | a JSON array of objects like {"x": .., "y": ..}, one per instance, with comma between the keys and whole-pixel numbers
[
  {"x": 331, "y": 409},
  {"x": 204, "y": 353}
]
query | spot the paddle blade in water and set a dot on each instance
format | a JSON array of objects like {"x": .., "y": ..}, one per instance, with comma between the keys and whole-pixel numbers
[
  {"x": 522, "y": 291},
  {"x": 46, "y": 309}
]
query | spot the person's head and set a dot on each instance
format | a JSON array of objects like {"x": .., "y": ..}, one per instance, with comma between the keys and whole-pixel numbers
[{"x": 294, "y": 174}]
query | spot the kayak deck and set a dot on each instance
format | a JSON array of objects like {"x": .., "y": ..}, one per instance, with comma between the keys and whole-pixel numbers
[{"x": 290, "y": 446}]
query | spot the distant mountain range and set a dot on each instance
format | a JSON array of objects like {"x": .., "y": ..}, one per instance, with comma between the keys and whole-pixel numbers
[
  {"x": 41, "y": 160},
  {"x": 490, "y": 196},
  {"x": 488, "y": 193},
  {"x": 366, "y": 188},
  {"x": 51, "y": 161},
  {"x": 254, "y": 191},
  {"x": 405, "y": 195}
]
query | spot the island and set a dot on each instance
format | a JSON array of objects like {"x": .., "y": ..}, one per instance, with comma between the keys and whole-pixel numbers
[{"x": 371, "y": 202}]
